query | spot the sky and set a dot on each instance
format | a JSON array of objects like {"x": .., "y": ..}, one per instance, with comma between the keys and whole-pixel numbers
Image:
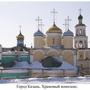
[{"x": 14, "y": 14}]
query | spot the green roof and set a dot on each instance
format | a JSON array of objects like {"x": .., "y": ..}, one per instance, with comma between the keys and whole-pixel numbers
[{"x": 9, "y": 60}]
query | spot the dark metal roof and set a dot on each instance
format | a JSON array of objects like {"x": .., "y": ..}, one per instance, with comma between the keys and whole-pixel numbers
[
  {"x": 39, "y": 33},
  {"x": 68, "y": 33}
]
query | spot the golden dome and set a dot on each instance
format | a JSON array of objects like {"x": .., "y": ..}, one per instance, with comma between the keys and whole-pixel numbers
[
  {"x": 54, "y": 29},
  {"x": 20, "y": 36}
]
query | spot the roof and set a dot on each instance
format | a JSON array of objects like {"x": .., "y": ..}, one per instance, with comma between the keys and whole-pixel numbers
[
  {"x": 80, "y": 24},
  {"x": 80, "y": 17},
  {"x": 54, "y": 29},
  {"x": 65, "y": 65},
  {"x": 20, "y": 36},
  {"x": 23, "y": 64},
  {"x": 68, "y": 33},
  {"x": 39, "y": 33},
  {"x": 19, "y": 48},
  {"x": 50, "y": 62},
  {"x": 61, "y": 64}
]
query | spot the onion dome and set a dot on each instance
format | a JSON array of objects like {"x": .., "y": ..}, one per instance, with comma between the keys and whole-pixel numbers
[
  {"x": 68, "y": 33},
  {"x": 54, "y": 29},
  {"x": 20, "y": 36},
  {"x": 80, "y": 18},
  {"x": 39, "y": 33}
]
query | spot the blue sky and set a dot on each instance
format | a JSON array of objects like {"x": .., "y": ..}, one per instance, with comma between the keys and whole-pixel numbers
[{"x": 13, "y": 14}]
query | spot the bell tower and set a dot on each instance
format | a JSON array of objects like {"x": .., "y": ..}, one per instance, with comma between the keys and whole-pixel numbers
[
  {"x": 80, "y": 40},
  {"x": 20, "y": 39},
  {"x": 39, "y": 37}
]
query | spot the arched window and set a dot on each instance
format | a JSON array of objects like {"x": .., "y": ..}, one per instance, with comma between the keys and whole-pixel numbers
[
  {"x": 80, "y": 44},
  {"x": 80, "y": 32}
]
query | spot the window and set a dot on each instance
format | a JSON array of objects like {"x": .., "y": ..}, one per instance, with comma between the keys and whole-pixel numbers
[
  {"x": 80, "y": 44},
  {"x": 80, "y": 32}
]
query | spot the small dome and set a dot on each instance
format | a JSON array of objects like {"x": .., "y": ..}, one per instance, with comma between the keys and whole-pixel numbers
[
  {"x": 80, "y": 17},
  {"x": 54, "y": 29},
  {"x": 38, "y": 33},
  {"x": 20, "y": 36},
  {"x": 68, "y": 33}
]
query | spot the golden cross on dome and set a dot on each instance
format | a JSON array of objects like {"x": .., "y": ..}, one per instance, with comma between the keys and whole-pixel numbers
[
  {"x": 54, "y": 12},
  {"x": 38, "y": 20},
  {"x": 68, "y": 19}
]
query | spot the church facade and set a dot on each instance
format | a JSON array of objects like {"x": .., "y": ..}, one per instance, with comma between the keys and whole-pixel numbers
[
  {"x": 72, "y": 48},
  {"x": 55, "y": 53}
]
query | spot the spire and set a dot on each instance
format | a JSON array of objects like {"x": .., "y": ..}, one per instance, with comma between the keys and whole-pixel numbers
[
  {"x": 38, "y": 20},
  {"x": 68, "y": 19},
  {"x": 20, "y": 28},
  {"x": 54, "y": 12},
  {"x": 80, "y": 17},
  {"x": 20, "y": 36}
]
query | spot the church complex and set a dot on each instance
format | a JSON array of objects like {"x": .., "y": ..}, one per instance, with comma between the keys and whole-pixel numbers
[{"x": 55, "y": 53}]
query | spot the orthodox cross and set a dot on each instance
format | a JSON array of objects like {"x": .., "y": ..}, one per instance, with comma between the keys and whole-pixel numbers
[
  {"x": 68, "y": 19},
  {"x": 65, "y": 24},
  {"x": 38, "y": 20},
  {"x": 54, "y": 12},
  {"x": 41, "y": 24}
]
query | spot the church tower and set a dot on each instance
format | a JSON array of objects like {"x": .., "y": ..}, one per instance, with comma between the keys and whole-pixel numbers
[
  {"x": 67, "y": 36},
  {"x": 20, "y": 39},
  {"x": 39, "y": 37},
  {"x": 54, "y": 34},
  {"x": 39, "y": 41},
  {"x": 81, "y": 40}
]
